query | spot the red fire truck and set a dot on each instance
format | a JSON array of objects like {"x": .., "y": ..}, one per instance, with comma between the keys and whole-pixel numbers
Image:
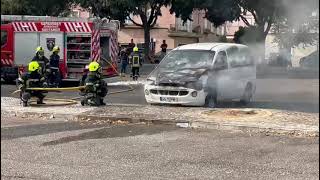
[{"x": 80, "y": 40}]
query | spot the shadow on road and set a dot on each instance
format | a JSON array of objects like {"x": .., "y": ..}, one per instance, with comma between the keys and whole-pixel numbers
[
  {"x": 113, "y": 132},
  {"x": 289, "y": 106},
  {"x": 41, "y": 129}
]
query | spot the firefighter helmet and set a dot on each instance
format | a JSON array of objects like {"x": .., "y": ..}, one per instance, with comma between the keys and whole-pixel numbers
[
  {"x": 94, "y": 66},
  {"x": 135, "y": 49},
  {"x": 33, "y": 66},
  {"x": 56, "y": 49},
  {"x": 39, "y": 49}
]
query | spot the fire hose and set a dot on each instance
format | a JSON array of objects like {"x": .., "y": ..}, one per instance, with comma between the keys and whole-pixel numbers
[{"x": 72, "y": 100}]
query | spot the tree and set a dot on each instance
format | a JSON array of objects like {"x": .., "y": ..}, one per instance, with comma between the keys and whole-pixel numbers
[
  {"x": 292, "y": 31},
  {"x": 36, "y": 7},
  {"x": 147, "y": 10},
  {"x": 246, "y": 35},
  {"x": 220, "y": 11}
]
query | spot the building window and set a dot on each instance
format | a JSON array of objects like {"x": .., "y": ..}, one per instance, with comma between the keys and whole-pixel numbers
[{"x": 75, "y": 13}]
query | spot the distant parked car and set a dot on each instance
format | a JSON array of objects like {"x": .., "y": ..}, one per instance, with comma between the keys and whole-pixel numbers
[
  {"x": 310, "y": 61},
  {"x": 279, "y": 60},
  {"x": 160, "y": 55}
]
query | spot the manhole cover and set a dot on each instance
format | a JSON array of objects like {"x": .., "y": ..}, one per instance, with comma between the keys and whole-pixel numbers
[{"x": 236, "y": 113}]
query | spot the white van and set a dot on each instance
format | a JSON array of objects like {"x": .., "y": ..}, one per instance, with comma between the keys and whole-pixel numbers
[{"x": 202, "y": 74}]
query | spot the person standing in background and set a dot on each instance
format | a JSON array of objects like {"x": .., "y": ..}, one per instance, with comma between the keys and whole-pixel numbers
[
  {"x": 164, "y": 46},
  {"x": 124, "y": 56},
  {"x": 131, "y": 46}
]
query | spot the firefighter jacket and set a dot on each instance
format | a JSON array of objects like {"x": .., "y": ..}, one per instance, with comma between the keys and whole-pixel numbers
[
  {"x": 93, "y": 81},
  {"x": 135, "y": 59},
  {"x": 54, "y": 61},
  {"x": 29, "y": 80},
  {"x": 43, "y": 62}
]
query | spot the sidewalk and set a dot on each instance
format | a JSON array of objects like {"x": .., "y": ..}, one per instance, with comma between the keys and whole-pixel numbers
[{"x": 248, "y": 120}]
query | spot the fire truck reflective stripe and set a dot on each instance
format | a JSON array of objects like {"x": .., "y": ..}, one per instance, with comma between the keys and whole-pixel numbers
[
  {"x": 29, "y": 26},
  {"x": 66, "y": 26},
  {"x": 95, "y": 45},
  {"x": 70, "y": 26},
  {"x": 80, "y": 27},
  {"x": 85, "y": 27},
  {"x": 24, "y": 26},
  {"x": 114, "y": 46},
  {"x": 20, "y": 26},
  {"x": 75, "y": 27},
  {"x": 88, "y": 27},
  {"x": 34, "y": 27},
  {"x": 15, "y": 27}
]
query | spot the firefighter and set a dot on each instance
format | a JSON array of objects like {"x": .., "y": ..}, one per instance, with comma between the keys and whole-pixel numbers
[
  {"x": 42, "y": 60},
  {"x": 33, "y": 78},
  {"x": 95, "y": 85},
  {"x": 54, "y": 75},
  {"x": 135, "y": 60}
]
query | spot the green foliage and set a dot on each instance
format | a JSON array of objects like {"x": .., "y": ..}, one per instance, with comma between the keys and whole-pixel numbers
[
  {"x": 36, "y": 7},
  {"x": 147, "y": 10},
  {"x": 247, "y": 35},
  {"x": 307, "y": 33}
]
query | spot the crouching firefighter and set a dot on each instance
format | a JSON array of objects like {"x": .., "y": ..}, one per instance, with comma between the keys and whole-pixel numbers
[
  {"x": 32, "y": 79},
  {"x": 95, "y": 87},
  {"x": 135, "y": 61}
]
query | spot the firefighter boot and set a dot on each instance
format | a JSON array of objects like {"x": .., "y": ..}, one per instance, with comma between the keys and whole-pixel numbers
[
  {"x": 40, "y": 101},
  {"x": 101, "y": 102},
  {"x": 25, "y": 98}
]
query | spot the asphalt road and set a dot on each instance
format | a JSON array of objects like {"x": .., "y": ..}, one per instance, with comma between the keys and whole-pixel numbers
[
  {"x": 286, "y": 94},
  {"x": 54, "y": 149}
]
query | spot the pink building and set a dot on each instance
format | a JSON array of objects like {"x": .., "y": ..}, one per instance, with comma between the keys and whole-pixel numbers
[{"x": 172, "y": 29}]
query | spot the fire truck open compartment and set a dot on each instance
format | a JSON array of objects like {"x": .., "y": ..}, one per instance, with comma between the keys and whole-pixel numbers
[
  {"x": 78, "y": 52},
  {"x": 80, "y": 40}
]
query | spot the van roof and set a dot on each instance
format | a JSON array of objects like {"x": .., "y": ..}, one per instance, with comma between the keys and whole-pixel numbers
[{"x": 208, "y": 46}]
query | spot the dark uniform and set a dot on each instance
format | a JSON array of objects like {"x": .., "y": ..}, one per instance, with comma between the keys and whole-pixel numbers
[
  {"x": 136, "y": 63},
  {"x": 44, "y": 64},
  {"x": 95, "y": 85},
  {"x": 31, "y": 80},
  {"x": 54, "y": 75}
]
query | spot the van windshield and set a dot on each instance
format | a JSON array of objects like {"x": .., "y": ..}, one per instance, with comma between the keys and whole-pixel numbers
[{"x": 187, "y": 59}]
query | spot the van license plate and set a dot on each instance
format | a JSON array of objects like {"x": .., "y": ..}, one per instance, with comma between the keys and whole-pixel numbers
[{"x": 168, "y": 99}]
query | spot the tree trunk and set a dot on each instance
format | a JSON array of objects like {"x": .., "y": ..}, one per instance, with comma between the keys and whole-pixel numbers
[{"x": 146, "y": 43}]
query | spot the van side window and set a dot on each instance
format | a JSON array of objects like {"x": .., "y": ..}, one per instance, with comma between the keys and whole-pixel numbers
[
  {"x": 247, "y": 58},
  {"x": 233, "y": 56},
  {"x": 221, "y": 61},
  {"x": 4, "y": 37},
  {"x": 241, "y": 58}
]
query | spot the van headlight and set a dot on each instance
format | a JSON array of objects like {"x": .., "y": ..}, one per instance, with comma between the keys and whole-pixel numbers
[
  {"x": 194, "y": 94},
  {"x": 146, "y": 92},
  {"x": 197, "y": 85}
]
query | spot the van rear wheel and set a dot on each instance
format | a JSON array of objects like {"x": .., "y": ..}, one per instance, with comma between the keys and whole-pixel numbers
[
  {"x": 247, "y": 95},
  {"x": 211, "y": 101}
]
